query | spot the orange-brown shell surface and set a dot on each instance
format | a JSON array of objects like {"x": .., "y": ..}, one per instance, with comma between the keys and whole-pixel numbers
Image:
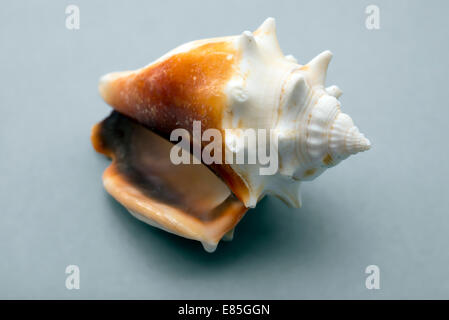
[{"x": 172, "y": 93}]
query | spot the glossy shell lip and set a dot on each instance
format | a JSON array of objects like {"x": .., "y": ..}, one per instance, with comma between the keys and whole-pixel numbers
[{"x": 187, "y": 200}]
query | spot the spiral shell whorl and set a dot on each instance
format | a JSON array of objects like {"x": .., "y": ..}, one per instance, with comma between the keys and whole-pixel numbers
[{"x": 345, "y": 138}]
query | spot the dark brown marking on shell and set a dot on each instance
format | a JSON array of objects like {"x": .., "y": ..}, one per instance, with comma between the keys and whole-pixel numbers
[
  {"x": 310, "y": 172},
  {"x": 327, "y": 160}
]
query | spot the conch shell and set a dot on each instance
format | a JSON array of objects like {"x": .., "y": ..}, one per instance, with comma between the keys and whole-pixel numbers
[{"x": 230, "y": 84}]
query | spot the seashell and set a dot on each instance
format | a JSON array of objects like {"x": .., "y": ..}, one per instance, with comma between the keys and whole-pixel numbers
[{"x": 230, "y": 84}]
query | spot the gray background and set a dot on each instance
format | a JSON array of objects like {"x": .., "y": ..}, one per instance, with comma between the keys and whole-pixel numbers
[{"x": 387, "y": 207}]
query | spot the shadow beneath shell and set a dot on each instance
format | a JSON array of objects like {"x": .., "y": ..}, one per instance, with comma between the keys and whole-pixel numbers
[{"x": 271, "y": 232}]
